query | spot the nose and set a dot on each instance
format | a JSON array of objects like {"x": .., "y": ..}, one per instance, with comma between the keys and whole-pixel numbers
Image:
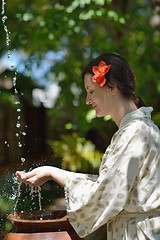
[{"x": 88, "y": 100}]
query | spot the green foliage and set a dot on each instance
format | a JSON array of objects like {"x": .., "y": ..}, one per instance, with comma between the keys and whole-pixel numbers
[
  {"x": 156, "y": 118},
  {"x": 79, "y": 30},
  {"x": 82, "y": 30},
  {"x": 8, "y": 226},
  {"x": 77, "y": 153},
  {"x": 5, "y": 205},
  {"x": 7, "y": 98}
]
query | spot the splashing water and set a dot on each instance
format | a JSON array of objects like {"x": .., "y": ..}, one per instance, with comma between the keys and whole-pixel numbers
[
  {"x": 34, "y": 191},
  {"x": 18, "y": 195},
  {"x": 14, "y": 82},
  {"x": 19, "y": 133},
  {"x": 3, "y": 9},
  {"x": 22, "y": 160},
  {"x": 4, "y": 17}
]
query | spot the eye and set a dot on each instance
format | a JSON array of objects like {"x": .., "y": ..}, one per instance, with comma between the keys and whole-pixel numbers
[{"x": 91, "y": 92}]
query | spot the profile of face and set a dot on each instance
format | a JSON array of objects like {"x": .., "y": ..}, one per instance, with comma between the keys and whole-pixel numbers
[{"x": 101, "y": 98}]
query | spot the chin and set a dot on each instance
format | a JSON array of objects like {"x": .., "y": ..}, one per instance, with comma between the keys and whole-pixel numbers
[{"x": 99, "y": 115}]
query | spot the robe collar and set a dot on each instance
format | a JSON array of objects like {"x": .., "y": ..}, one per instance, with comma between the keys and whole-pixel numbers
[{"x": 143, "y": 112}]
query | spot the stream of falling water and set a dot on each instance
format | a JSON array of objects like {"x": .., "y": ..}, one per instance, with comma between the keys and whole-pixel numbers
[
  {"x": 37, "y": 190},
  {"x": 18, "y": 195},
  {"x": 4, "y": 17},
  {"x": 33, "y": 190}
]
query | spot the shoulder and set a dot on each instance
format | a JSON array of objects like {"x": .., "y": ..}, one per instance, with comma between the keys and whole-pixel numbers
[
  {"x": 136, "y": 129},
  {"x": 141, "y": 131}
]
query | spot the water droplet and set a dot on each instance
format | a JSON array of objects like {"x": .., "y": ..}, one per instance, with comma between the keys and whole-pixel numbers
[
  {"x": 17, "y": 102},
  {"x": 23, "y": 133},
  {"x": 5, "y": 28},
  {"x": 18, "y": 125},
  {"x": 23, "y": 160},
  {"x": 9, "y": 54},
  {"x": 17, "y": 134},
  {"x": 18, "y": 110},
  {"x": 19, "y": 144},
  {"x": 4, "y": 18},
  {"x": 15, "y": 91}
]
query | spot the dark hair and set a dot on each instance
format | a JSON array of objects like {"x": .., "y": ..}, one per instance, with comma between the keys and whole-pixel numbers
[{"x": 120, "y": 72}]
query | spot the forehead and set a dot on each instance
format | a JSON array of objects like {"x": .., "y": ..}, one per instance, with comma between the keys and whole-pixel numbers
[{"x": 88, "y": 81}]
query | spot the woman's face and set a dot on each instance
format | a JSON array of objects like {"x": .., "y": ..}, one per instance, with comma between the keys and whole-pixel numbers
[{"x": 99, "y": 97}]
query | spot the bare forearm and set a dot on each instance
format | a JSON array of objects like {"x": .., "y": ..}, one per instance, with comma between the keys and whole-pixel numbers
[
  {"x": 40, "y": 175},
  {"x": 59, "y": 175}
]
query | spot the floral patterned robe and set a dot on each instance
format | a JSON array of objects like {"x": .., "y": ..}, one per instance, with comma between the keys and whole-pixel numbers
[{"x": 126, "y": 193}]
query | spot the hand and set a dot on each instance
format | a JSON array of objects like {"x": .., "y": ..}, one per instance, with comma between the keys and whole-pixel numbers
[{"x": 36, "y": 177}]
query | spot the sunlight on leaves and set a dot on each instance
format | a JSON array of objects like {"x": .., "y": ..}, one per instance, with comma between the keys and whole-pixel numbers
[
  {"x": 90, "y": 115},
  {"x": 77, "y": 153},
  {"x": 107, "y": 118}
]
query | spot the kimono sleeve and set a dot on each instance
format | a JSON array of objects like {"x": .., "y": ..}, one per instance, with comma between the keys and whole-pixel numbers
[{"x": 91, "y": 202}]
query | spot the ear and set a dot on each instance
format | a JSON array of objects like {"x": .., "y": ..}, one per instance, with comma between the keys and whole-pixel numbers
[{"x": 113, "y": 87}]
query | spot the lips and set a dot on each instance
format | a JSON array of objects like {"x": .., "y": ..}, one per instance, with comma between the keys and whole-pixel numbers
[{"x": 94, "y": 106}]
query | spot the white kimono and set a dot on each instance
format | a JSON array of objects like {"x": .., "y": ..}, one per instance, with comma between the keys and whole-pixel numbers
[{"x": 126, "y": 193}]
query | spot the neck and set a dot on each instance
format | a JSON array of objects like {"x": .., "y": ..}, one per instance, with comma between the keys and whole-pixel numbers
[{"x": 121, "y": 109}]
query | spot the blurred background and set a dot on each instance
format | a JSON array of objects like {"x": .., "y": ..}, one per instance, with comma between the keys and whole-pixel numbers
[{"x": 44, "y": 46}]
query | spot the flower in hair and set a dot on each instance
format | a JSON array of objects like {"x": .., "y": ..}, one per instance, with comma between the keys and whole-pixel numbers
[{"x": 99, "y": 73}]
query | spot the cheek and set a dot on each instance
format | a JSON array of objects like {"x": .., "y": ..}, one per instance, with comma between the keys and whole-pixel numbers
[{"x": 100, "y": 99}]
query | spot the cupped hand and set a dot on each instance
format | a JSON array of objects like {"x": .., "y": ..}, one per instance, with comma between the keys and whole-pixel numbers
[{"x": 36, "y": 177}]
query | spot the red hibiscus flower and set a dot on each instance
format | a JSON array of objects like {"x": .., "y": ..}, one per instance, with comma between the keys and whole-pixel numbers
[{"x": 100, "y": 72}]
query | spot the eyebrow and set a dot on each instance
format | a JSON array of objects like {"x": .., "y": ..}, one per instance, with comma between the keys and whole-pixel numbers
[{"x": 88, "y": 87}]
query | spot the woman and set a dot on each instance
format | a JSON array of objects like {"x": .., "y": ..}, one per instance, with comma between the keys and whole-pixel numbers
[{"x": 126, "y": 193}]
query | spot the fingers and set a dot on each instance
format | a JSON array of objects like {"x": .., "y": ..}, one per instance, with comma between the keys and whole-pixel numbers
[
  {"x": 20, "y": 175},
  {"x": 23, "y": 175},
  {"x": 32, "y": 181},
  {"x": 28, "y": 178},
  {"x": 36, "y": 177}
]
